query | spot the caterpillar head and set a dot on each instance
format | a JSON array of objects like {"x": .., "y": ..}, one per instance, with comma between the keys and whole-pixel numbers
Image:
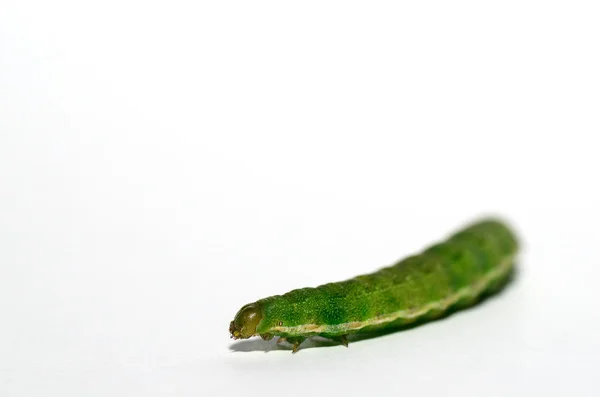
[{"x": 245, "y": 322}]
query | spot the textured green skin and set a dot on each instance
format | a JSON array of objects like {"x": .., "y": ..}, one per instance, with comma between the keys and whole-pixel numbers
[{"x": 439, "y": 271}]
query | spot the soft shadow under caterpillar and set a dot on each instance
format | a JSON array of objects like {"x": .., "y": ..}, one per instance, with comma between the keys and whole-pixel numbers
[{"x": 449, "y": 275}]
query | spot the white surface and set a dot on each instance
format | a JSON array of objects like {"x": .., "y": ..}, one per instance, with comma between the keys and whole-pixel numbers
[{"x": 162, "y": 166}]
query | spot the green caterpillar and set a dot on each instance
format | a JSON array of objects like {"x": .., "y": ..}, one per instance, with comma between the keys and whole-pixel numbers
[{"x": 453, "y": 274}]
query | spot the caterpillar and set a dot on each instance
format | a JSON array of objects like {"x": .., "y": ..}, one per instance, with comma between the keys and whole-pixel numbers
[{"x": 450, "y": 275}]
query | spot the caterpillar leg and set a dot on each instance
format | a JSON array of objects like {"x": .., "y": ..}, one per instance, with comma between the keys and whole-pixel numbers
[
  {"x": 281, "y": 340},
  {"x": 341, "y": 339},
  {"x": 344, "y": 340},
  {"x": 296, "y": 341}
]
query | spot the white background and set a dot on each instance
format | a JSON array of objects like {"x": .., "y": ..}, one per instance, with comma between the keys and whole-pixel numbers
[{"x": 162, "y": 165}]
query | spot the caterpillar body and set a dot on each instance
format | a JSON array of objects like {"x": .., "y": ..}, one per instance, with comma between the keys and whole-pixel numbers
[{"x": 449, "y": 275}]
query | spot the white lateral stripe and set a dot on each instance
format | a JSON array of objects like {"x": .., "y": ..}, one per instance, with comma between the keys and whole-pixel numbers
[{"x": 470, "y": 291}]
